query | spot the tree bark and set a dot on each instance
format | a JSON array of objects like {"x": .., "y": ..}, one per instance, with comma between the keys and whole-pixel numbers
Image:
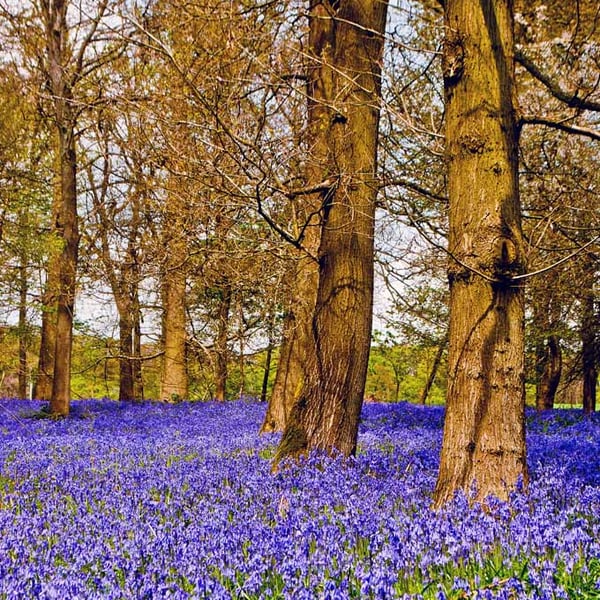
[
  {"x": 42, "y": 389},
  {"x": 66, "y": 227},
  {"x": 344, "y": 90},
  {"x": 266, "y": 373},
  {"x": 589, "y": 344},
  {"x": 68, "y": 230},
  {"x": 131, "y": 386},
  {"x": 437, "y": 361},
  {"x": 23, "y": 328},
  {"x": 138, "y": 379},
  {"x": 549, "y": 366},
  {"x": 126, "y": 391},
  {"x": 221, "y": 351},
  {"x": 43, "y": 384},
  {"x": 483, "y": 447},
  {"x": 174, "y": 378},
  {"x": 269, "y": 355},
  {"x": 297, "y": 335},
  {"x": 546, "y": 318}
]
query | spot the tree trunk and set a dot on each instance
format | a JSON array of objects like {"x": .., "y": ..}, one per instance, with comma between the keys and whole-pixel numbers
[
  {"x": 130, "y": 365},
  {"x": 123, "y": 275},
  {"x": 221, "y": 351},
  {"x": 589, "y": 342},
  {"x": 174, "y": 380},
  {"x": 266, "y": 373},
  {"x": 267, "y": 370},
  {"x": 297, "y": 335},
  {"x": 546, "y": 306},
  {"x": 131, "y": 385},
  {"x": 346, "y": 48},
  {"x": 483, "y": 445},
  {"x": 549, "y": 371},
  {"x": 42, "y": 389},
  {"x": 43, "y": 383},
  {"x": 66, "y": 227},
  {"x": 242, "y": 356},
  {"x": 67, "y": 264},
  {"x": 434, "y": 369},
  {"x": 126, "y": 391},
  {"x": 138, "y": 379},
  {"x": 23, "y": 329}
]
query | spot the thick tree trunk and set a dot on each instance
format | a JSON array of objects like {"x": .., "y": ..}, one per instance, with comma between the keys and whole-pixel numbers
[
  {"x": 43, "y": 383},
  {"x": 297, "y": 336},
  {"x": 174, "y": 379},
  {"x": 66, "y": 226},
  {"x": 590, "y": 383},
  {"x": 130, "y": 364},
  {"x": 221, "y": 349},
  {"x": 126, "y": 298},
  {"x": 484, "y": 432},
  {"x": 346, "y": 44}
]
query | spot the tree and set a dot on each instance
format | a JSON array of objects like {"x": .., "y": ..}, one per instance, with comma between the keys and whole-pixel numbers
[
  {"x": 548, "y": 364},
  {"x": 345, "y": 43},
  {"x": 484, "y": 431},
  {"x": 295, "y": 348},
  {"x": 23, "y": 207},
  {"x": 558, "y": 89},
  {"x": 59, "y": 40},
  {"x": 174, "y": 379},
  {"x": 120, "y": 256},
  {"x": 60, "y": 85},
  {"x": 217, "y": 122}
]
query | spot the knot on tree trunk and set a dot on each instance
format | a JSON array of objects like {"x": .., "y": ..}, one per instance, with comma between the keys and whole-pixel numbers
[
  {"x": 495, "y": 256},
  {"x": 507, "y": 260},
  {"x": 453, "y": 58}
]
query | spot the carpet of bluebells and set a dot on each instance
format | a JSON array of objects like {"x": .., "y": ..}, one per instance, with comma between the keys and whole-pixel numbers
[{"x": 178, "y": 501}]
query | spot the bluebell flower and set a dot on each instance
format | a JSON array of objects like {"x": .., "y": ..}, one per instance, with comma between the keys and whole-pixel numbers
[{"x": 148, "y": 500}]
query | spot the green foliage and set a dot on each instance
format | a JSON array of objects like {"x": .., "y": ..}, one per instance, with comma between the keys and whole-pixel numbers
[
  {"x": 244, "y": 376},
  {"x": 94, "y": 376},
  {"x": 399, "y": 372},
  {"x": 9, "y": 359}
]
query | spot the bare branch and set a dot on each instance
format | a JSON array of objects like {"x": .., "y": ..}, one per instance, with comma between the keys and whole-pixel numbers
[
  {"x": 294, "y": 241},
  {"x": 89, "y": 38},
  {"x": 558, "y": 262},
  {"x": 415, "y": 187},
  {"x": 134, "y": 358},
  {"x": 561, "y": 126},
  {"x": 571, "y": 100},
  {"x": 323, "y": 186}
]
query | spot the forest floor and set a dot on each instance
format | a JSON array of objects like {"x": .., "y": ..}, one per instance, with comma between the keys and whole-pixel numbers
[{"x": 178, "y": 501}]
